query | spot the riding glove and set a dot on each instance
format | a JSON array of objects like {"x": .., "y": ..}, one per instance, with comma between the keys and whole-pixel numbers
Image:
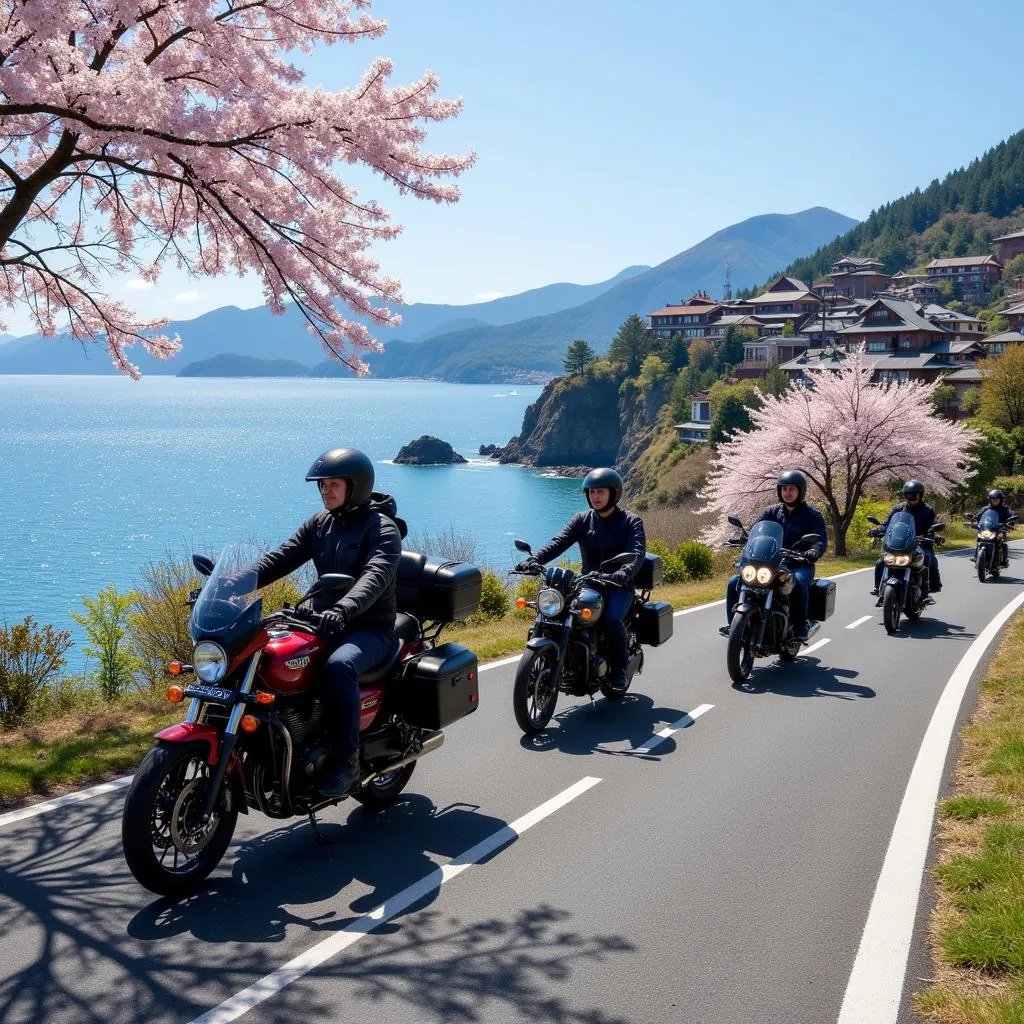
[{"x": 333, "y": 622}]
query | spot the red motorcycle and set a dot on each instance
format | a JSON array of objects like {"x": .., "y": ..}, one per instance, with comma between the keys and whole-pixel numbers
[{"x": 254, "y": 735}]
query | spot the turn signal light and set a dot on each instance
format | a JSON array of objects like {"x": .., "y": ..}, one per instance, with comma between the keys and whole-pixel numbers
[
  {"x": 520, "y": 603},
  {"x": 586, "y": 613},
  {"x": 265, "y": 698},
  {"x": 174, "y": 668},
  {"x": 249, "y": 723},
  {"x": 175, "y": 694}
]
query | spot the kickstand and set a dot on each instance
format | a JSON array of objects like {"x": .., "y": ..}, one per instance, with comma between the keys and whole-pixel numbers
[{"x": 321, "y": 839}]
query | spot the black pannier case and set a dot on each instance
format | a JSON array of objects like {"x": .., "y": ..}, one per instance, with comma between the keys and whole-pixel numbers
[
  {"x": 821, "y": 601},
  {"x": 437, "y": 589},
  {"x": 650, "y": 573},
  {"x": 440, "y": 686},
  {"x": 654, "y": 623}
]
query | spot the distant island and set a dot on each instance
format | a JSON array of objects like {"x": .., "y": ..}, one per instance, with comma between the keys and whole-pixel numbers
[{"x": 230, "y": 364}]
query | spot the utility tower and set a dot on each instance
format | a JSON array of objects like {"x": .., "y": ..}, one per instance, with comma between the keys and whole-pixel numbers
[{"x": 727, "y": 288}]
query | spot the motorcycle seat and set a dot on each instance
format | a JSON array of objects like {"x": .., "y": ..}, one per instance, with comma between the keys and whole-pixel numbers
[{"x": 378, "y": 672}]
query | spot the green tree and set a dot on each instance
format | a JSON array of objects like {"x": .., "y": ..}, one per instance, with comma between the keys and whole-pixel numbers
[
  {"x": 702, "y": 355},
  {"x": 105, "y": 621},
  {"x": 992, "y": 455},
  {"x": 729, "y": 415},
  {"x": 1002, "y": 391},
  {"x": 970, "y": 402},
  {"x": 653, "y": 369},
  {"x": 29, "y": 656},
  {"x": 788, "y": 330},
  {"x": 686, "y": 383},
  {"x": 631, "y": 345},
  {"x": 774, "y": 382},
  {"x": 578, "y": 356},
  {"x": 997, "y": 325},
  {"x": 943, "y": 395},
  {"x": 675, "y": 352},
  {"x": 730, "y": 352}
]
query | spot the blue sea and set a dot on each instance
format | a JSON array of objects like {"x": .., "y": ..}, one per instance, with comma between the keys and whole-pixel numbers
[{"x": 101, "y": 475}]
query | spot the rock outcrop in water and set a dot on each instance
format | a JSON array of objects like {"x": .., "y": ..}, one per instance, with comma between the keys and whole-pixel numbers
[{"x": 428, "y": 451}]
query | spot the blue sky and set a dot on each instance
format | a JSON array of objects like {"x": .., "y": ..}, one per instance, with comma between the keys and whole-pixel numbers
[{"x": 610, "y": 134}]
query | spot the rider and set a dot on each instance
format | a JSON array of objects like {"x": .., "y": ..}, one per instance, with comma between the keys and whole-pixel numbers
[
  {"x": 797, "y": 519},
  {"x": 924, "y": 518},
  {"x": 604, "y": 531},
  {"x": 355, "y": 533},
  {"x": 997, "y": 503}
]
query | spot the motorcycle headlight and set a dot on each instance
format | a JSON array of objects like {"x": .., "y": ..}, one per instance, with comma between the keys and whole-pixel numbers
[
  {"x": 210, "y": 661},
  {"x": 986, "y": 534},
  {"x": 764, "y": 575},
  {"x": 550, "y": 602},
  {"x": 902, "y": 560},
  {"x": 748, "y": 573},
  {"x": 889, "y": 559}
]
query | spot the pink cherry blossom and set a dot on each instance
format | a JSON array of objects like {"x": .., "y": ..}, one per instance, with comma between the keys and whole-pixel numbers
[
  {"x": 848, "y": 436},
  {"x": 181, "y": 128}
]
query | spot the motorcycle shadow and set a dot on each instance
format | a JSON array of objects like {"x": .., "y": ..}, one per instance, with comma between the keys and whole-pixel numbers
[
  {"x": 584, "y": 727},
  {"x": 276, "y": 874},
  {"x": 805, "y": 677},
  {"x": 926, "y": 628}
]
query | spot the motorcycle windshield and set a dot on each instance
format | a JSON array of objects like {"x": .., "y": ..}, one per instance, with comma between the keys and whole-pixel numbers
[
  {"x": 764, "y": 543},
  {"x": 989, "y": 520},
  {"x": 228, "y": 598},
  {"x": 900, "y": 533}
]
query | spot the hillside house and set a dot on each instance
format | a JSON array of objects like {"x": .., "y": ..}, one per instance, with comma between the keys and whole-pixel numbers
[
  {"x": 856, "y": 277},
  {"x": 689, "y": 319},
  {"x": 695, "y": 431},
  {"x": 1009, "y": 246},
  {"x": 786, "y": 298},
  {"x": 969, "y": 275}
]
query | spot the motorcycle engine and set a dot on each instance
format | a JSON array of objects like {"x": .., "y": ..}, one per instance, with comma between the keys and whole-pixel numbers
[
  {"x": 599, "y": 666},
  {"x": 302, "y": 720}
]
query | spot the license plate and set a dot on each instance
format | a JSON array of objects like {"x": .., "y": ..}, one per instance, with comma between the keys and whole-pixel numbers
[{"x": 218, "y": 694}]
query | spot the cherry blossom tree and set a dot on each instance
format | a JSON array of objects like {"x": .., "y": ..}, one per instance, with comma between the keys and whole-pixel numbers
[
  {"x": 849, "y": 436},
  {"x": 134, "y": 133}
]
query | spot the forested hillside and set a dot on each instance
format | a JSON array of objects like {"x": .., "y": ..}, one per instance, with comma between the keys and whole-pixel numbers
[{"x": 953, "y": 217}]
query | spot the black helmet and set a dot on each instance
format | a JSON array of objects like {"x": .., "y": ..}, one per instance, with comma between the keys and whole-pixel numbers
[
  {"x": 797, "y": 479},
  {"x": 913, "y": 487},
  {"x": 353, "y": 466},
  {"x": 992, "y": 495},
  {"x": 604, "y": 477}
]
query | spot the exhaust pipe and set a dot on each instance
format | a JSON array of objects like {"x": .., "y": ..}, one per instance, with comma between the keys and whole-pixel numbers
[{"x": 431, "y": 743}]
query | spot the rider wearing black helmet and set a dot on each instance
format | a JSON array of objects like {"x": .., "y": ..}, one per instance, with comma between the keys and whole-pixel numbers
[
  {"x": 602, "y": 532},
  {"x": 924, "y": 519},
  {"x": 797, "y": 519},
  {"x": 355, "y": 533},
  {"x": 997, "y": 503}
]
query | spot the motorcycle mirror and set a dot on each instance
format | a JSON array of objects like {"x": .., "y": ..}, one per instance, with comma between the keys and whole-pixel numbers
[
  {"x": 938, "y": 526},
  {"x": 873, "y": 519},
  {"x": 331, "y": 583},
  {"x": 734, "y": 521},
  {"x": 617, "y": 562},
  {"x": 203, "y": 564},
  {"x": 808, "y": 540},
  {"x": 521, "y": 545}
]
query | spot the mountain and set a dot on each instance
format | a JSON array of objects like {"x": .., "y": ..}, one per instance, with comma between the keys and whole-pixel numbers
[{"x": 752, "y": 249}]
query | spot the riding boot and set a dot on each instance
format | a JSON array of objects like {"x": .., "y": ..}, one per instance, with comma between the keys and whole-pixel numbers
[{"x": 343, "y": 774}]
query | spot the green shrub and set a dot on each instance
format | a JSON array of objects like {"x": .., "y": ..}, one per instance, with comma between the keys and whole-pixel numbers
[
  {"x": 105, "y": 621},
  {"x": 697, "y": 558},
  {"x": 857, "y": 540},
  {"x": 493, "y": 597},
  {"x": 674, "y": 569},
  {"x": 29, "y": 657},
  {"x": 527, "y": 588}
]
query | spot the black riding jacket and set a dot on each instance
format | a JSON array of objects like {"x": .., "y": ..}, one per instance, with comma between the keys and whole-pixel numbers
[
  {"x": 922, "y": 512},
  {"x": 363, "y": 542},
  {"x": 600, "y": 539},
  {"x": 1002, "y": 510},
  {"x": 803, "y": 519}
]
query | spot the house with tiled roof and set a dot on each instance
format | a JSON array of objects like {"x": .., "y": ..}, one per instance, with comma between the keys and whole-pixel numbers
[
  {"x": 1009, "y": 246},
  {"x": 967, "y": 274},
  {"x": 688, "y": 319},
  {"x": 786, "y": 298},
  {"x": 857, "y": 277},
  {"x": 1015, "y": 314}
]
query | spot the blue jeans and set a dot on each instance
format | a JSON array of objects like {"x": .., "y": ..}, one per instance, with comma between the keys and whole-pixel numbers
[
  {"x": 358, "y": 653},
  {"x": 804, "y": 575},
  {"x": 617, "y": 602}
]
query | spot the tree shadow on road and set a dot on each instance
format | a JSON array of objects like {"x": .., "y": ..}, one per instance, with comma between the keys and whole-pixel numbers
[
  {"x": 583, "y": 728},
  {"x": 805, "y": 677},
  {"x": 74, "y": 944}
]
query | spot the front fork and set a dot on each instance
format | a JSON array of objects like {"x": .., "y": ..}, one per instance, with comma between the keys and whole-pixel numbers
[{"x": 227, "y": 746}]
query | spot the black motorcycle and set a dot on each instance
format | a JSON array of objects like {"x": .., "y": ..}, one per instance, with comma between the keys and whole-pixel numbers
[
  {"x": 566, "y": 650},
  {"x": 991, "y": 552},
  {"x": 761, "y": 625},
  {"x": 904, "y": 585}
]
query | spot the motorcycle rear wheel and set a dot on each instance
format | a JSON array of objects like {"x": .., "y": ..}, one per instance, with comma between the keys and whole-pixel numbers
[
  {"x": 739, "y": 655},
  {"x": 891, "y": 610},
  {"x": 385, "y": 789},
  {"x": 535, "y": 692},
  {"x": 981, "y": 564},
  {"x": 160, "y": 821}
]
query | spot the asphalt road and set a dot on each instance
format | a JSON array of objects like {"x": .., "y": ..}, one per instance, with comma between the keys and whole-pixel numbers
[{"x": 723, "y": 872}]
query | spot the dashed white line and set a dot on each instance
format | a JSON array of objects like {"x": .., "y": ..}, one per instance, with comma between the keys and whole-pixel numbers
[
  {"x": 817, "y": 646},
  {"x": 860, "y": 621},
  {"x": 233, "y": 1008},
  {"x": 62, "y": 801},
  {"x": 683, "y": 723}
]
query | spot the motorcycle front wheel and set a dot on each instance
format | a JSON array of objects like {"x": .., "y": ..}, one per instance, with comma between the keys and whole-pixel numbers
[
  {"x": 535, "y": 692},
  {"x": 981, "y": 563},
  {"x": 739, "y": 655},
  {"x": 891, "y": 610},
  {"x": 166, "y": 846}
]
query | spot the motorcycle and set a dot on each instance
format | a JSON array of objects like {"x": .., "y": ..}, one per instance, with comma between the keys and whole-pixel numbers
[
  {"x": 565, "y": 649},
  {"x": 760, "y": 625},
  {"x": 990, "y": 553},
  {"x": 904, "y": 587},
  {"x": 254, "y": 735}
]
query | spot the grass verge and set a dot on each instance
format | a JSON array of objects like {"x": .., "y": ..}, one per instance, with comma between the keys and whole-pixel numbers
[
  {"x": 54, "y": 757},
  {"x": 977, "y": 926}
]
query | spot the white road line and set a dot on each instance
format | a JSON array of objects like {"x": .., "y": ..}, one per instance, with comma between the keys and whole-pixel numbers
[
  {"x": 233, "y": 1008},
  {"x": 817, "y": 646},
  {"x": 683, "y": 723},
  {"x": 498, "y": 664},
  {"x": 62, "y": 801},
  {"x": 876, "y": 982},
  {"x": 860, "y": 621}
]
